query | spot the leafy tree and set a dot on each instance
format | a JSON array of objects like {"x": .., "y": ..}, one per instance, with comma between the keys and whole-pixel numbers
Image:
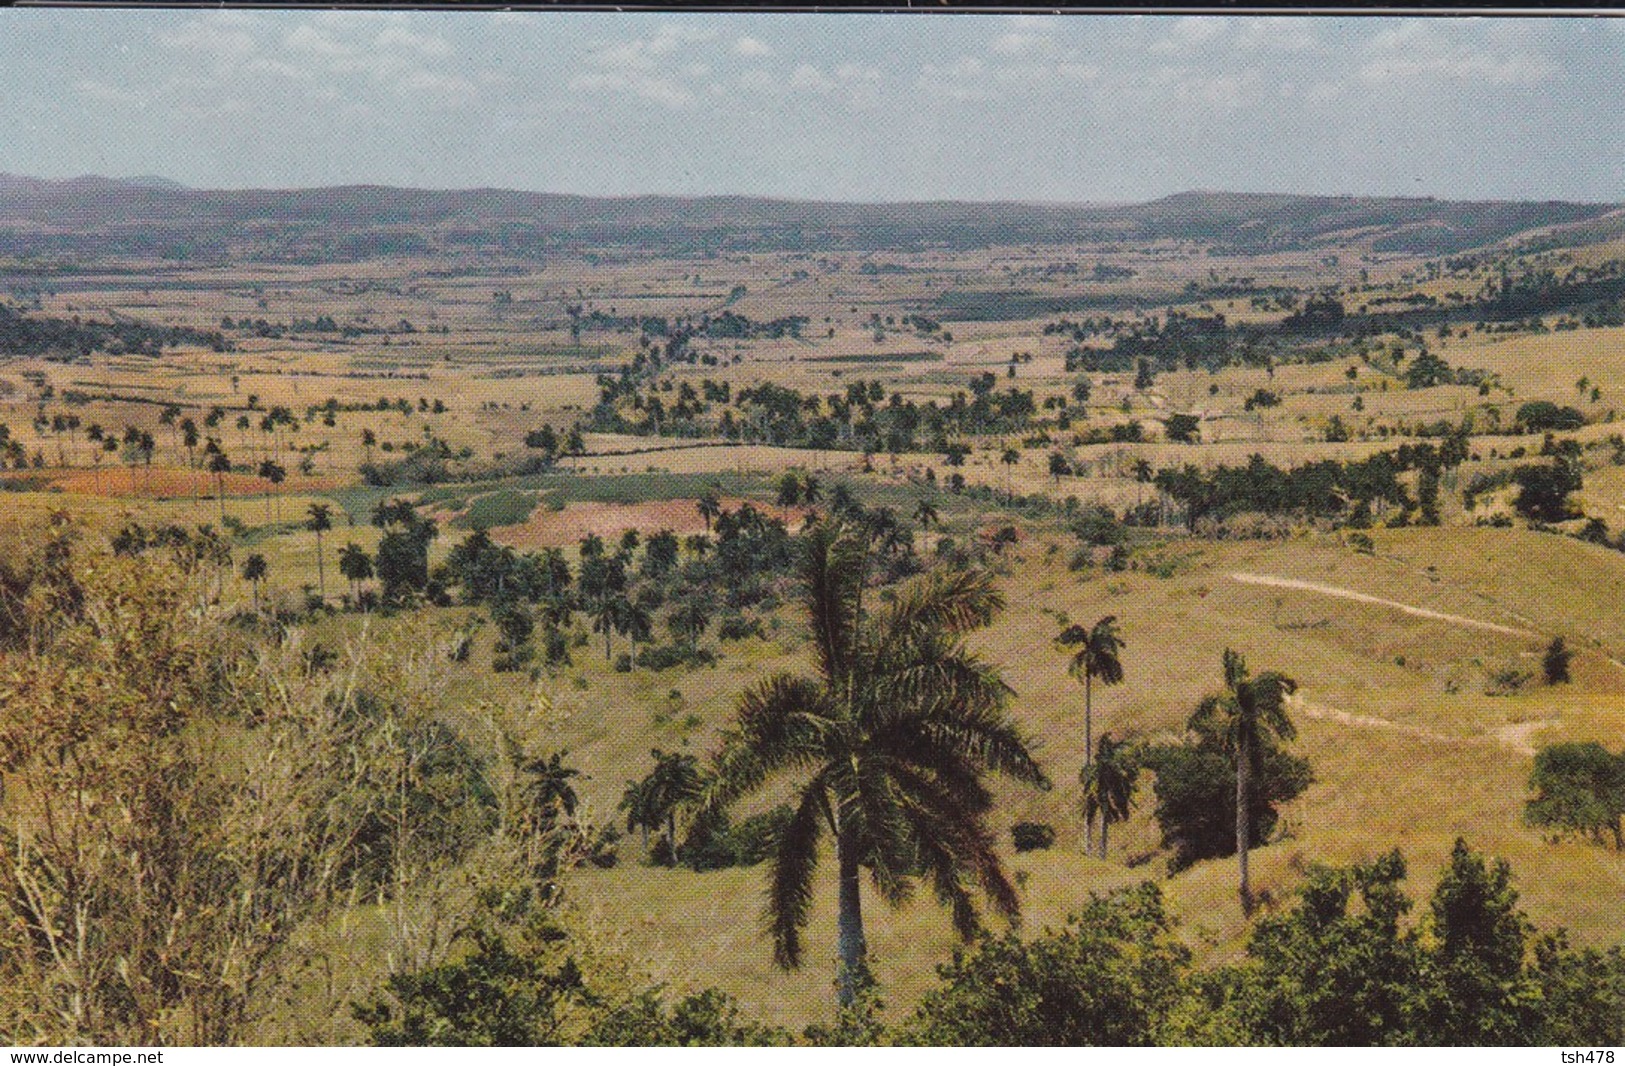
[
  {"x": 1579, "y": 788},
  {"x": 1555, "y": 663},
  {"x": 1543, "y": 490},
  {"x": 925, "y": 514},
  {"x": 890, "y": 741},
  {"x": 1541, "y": 416},
  {"x": 521, "y": 977},
  {"x": 492, "y": 995},
  {"x": 356, "y": 566},
  {"x": 1058, "y": 466},
  {"x": 1582, "y": 993},
  {"x": 1327, "y": 973},
  {"x": 1488, "y": 998},
  {"x": 1183, "y": 429},
  {"x": 402, "y": 558},
  {"x": 1108, "y": 785},
  {"x": 1143, "y": 378},
  {"x": 1110, "y": 977}
]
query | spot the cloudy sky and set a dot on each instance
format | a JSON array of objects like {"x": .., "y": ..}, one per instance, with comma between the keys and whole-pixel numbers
[{"x": 852, "y": 107}]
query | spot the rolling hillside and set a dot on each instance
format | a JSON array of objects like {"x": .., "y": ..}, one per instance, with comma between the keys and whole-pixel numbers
[{"x": 148, "y": 217}]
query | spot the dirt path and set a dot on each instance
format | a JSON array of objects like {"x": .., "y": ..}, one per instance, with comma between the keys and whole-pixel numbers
[
  {"x": 1360, "y": 597},
  {"x": 1518, "y": 736}
]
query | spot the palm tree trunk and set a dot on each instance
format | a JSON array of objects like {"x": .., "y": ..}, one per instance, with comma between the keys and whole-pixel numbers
[
  {"x": 1088, "y": 750},
  {"x": 1244, "y": 758},
  {"x": 1105, "y": 825},
  {"x": 849, "y": 924}
]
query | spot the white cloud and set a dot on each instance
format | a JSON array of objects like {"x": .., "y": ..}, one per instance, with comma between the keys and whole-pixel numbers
[
  {"x": 224, "y": 43},
  {"x": 644, "y": 53},
  {"x": 1190, "y": 33},
  {"x": 809, "y": 78},
  {"x": 1417, "y": 52},
  {"x": 657, "y": 90},
  {"x": 1278, "y": 34},
  {"x": 401, "y": 38},
  {"x": 102, "y": 93},
  {"x": 395, "y": 56},
  {"x": 307, "y": 38},
  {"x": 1017, "y": 44},
  {"x": 751, "y": 48},
  {"x": 449, "y": 86}
]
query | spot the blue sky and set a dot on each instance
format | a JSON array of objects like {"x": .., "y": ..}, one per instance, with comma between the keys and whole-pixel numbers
[{"x": 851, "y": 107}]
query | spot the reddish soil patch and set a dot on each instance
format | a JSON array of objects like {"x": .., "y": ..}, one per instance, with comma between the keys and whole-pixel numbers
[
  {"x": 556, "y": 529},
  {"x": 169, "y": 483}
]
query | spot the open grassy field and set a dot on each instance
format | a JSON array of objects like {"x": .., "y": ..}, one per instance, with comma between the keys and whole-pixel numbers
[{"x": 1396, "y": 643}]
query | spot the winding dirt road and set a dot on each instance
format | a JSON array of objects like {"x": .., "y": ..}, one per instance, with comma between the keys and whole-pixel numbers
[{"x": 1360, "y": 597}]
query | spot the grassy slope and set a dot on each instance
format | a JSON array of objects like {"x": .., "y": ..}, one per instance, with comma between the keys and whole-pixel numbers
[{"x": 1445, "y": 767}]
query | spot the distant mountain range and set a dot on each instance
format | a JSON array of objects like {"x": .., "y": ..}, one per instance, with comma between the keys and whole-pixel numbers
[{"x": 97, "y": 217}]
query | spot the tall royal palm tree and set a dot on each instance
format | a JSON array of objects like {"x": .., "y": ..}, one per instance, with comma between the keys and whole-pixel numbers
[
  {"x": 1108, "y": 785},
  {"x": 1010, "y": 457},
  {"x": 611, "y": 613},
  {"x": 709, "y": 507},
  {"x": 220, "y": 466},
  {"x": 890, "y": 741},
  {"x": 319, "y": 521},
  {"x": 254, "y": 571},
  {"x": 1248, "y": 713},
  {"x": 1096, "y": 653}
]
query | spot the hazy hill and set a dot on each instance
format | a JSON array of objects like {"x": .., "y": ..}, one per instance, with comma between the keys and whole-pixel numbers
[{"x": 95, "y": 216}]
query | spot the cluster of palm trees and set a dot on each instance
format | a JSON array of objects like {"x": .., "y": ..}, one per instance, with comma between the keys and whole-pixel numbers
[
  {"x": 890, "y": 741},
  {"x": 354, "y": 562},
  {"x": 653, "y": 804}
]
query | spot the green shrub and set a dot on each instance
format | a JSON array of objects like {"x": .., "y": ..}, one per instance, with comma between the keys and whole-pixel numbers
[{"x": 1032, "y": 836}]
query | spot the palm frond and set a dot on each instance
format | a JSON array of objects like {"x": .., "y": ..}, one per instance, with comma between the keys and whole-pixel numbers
[
  {"x": 947, "y": 682},
  {"x": 794, "y": 860},
  {"x": 940, "y": 602},
  {"x": 1268, "y": 694},
  {"x": 954, "y": 840},
  {"x": 783, "y": 721},
  {"x": 833, "y": 573},
  {"x": 1097, "y": 650},
  {"x": 992, "y": 743},
  {"x": 882, "y": 831}
]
